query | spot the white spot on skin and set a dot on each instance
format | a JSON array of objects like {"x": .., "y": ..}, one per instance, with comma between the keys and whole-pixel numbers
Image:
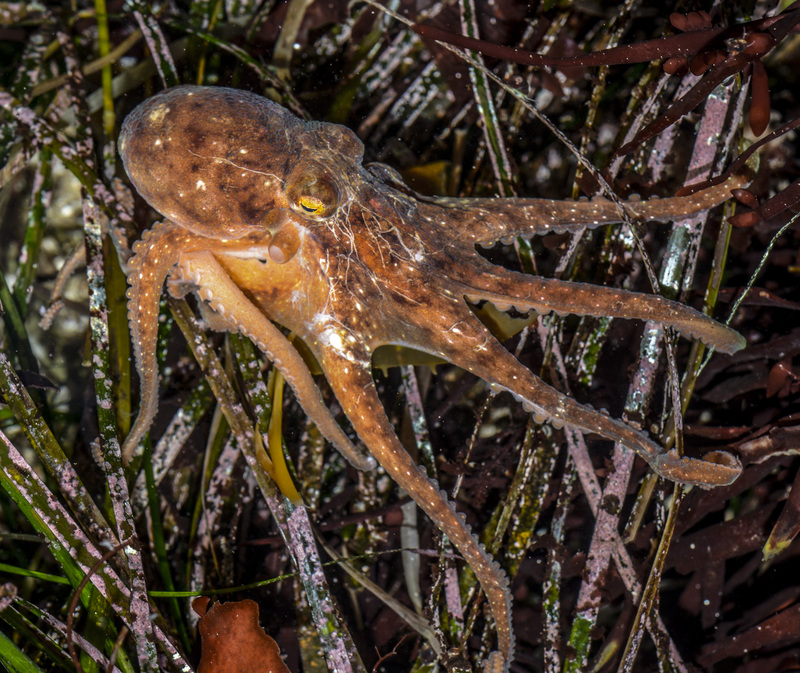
[
  {"x": 333, "y": 335},
  {"x": 335, "y": 341},
  {"x": 158, "y": 113},
  {"x": 200, "y": 185}
]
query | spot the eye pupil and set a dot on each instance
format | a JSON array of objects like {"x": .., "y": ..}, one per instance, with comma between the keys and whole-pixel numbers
[{"x": 310, "y": 204}]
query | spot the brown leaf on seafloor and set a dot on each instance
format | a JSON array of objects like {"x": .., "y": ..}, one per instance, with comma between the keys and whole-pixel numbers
[
  {"x": 233, "y": 641},
  {"x": 725, "y": 540},
  {"x": 771, "y": 441},
  {"x": 774, "y": 632},
  {"x": 713, "y": 54},
  {"x": 787, "y": 527}
]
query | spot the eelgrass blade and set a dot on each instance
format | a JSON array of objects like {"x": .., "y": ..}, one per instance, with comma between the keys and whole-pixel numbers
[{"x": 292, "y": 521}]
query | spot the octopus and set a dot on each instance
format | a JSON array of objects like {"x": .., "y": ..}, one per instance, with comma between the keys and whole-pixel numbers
[{"x": 275, "y": 223}]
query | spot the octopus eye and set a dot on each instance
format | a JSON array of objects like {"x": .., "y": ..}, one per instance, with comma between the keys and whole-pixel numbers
[{"x": 314, "y": 196}]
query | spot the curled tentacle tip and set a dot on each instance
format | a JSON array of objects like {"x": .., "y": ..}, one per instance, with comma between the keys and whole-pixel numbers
[
  {"x": 723, "y": 459},
  {"x": 716, "y": 468}
]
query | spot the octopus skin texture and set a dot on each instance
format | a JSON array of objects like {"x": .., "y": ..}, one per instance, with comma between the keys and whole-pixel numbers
[{"x": 275, "y": 221}]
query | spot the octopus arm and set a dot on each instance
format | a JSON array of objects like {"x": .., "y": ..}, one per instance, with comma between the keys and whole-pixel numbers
[
  {"x": 217, "y": 288},
  {"x": 504, "y": 287},
  {"x": 490, "y": 220},
  {"x": 502, "y": 370},
  {"x": 154, "y": 255},
  {"x": 350, "y": 378}
]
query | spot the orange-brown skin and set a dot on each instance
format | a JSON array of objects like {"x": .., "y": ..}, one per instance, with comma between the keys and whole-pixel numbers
[{"x": 271, "y": 219}]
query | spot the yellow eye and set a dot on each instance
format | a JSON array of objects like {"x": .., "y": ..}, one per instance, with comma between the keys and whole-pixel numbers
[{"x": 313, "y": 193}]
